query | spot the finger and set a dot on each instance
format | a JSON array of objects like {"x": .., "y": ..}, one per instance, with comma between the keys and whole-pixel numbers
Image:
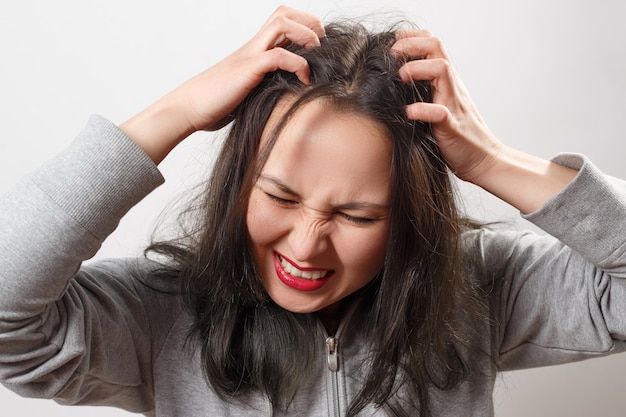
[
  {"x": 281, "y": 59},
  {"x": 438, "y": 71},
  {"x": 418, "y": 33},
  {"x": 307, "y": 19},
  {"x": 282, "y": 30},
  {"x": 287, "y": 24},
  {"x": 419, "y": 47},
  {"x": 428, "y": 112}
]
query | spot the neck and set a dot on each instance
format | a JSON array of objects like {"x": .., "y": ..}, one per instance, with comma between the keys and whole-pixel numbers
[{"x": 332, "y": 315}]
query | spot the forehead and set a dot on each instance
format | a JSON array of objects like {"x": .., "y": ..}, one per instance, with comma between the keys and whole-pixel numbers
[{"x": 324, "y": 149}]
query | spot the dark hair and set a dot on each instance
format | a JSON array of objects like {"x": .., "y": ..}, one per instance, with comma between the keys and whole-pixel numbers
[{"x": 408, "y": 310}]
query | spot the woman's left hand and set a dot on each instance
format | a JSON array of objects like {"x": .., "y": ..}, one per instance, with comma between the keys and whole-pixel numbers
[
  {"x": 463, "y": 138},
  {"x": 471, "y": 150}
]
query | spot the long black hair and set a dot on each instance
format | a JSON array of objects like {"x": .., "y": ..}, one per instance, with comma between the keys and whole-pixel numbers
[{"x": 411, "y": 303}]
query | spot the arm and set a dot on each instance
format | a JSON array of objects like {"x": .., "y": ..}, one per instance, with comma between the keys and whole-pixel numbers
[
  {"x": 83, "y": 334},
  {"x": 471, "y": 150},
  {"x": 205, "y": 101},
  {"x": 556, "y": 301},
  {"x": 552, "y": 300},
  {"x": 52, "y": 313}
]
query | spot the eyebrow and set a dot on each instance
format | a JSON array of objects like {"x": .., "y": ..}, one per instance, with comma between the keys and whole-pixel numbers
[
  {"x": 280, "y": 185},
  {"x": 355, "y": 205}
]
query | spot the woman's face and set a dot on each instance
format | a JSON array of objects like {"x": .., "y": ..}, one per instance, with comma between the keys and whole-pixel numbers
[{"x": 318, "y": 216}]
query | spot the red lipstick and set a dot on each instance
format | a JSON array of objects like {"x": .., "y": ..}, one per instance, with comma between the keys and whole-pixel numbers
[{"x": 296, "y": 282}]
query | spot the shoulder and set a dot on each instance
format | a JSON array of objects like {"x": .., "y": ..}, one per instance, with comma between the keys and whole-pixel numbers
[
  {"x": 492, "y": 251},
  {"x": 139, "y": 289},
  {"x": 138, "y": 274}
]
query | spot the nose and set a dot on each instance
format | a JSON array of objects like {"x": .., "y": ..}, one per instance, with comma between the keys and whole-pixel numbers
[{"x": 308, "y": 237}]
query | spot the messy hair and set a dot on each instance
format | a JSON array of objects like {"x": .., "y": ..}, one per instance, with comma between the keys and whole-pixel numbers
[{"x": 407, "y": 312}]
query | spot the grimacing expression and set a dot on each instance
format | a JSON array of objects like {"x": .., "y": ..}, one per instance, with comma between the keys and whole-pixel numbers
[{"x": 318, "y": 215}]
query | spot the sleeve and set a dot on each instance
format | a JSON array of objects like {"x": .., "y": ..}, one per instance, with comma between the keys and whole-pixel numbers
[
  {"x": 560, "y": 297},
  {"x": 65, "y": 330}
]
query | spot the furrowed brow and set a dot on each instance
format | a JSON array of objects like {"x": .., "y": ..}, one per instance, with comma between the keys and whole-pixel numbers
[
  {"x": 279, "y": 184},
  {"x": 356, "y": 205},
  {"x": 362, "y": 205}
]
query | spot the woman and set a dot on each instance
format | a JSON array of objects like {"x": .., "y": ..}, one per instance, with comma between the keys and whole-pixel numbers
[{"x": 327, "y": 272}]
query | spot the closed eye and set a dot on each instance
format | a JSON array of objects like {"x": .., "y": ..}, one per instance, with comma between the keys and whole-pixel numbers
[
  {"x": 356, "y": 220},
  {"x": 279, "y": 200}
]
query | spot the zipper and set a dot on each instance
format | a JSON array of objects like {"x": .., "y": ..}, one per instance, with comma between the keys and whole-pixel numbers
[
  {"x": 331, "y": 349},
  {"x": 332, "y": 359},
  {"x": 333, "y": 367}
]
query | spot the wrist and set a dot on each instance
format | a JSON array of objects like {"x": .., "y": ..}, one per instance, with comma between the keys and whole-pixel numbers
[
  {"x": 158, "y": 128},
  {"x": 523, "y": 180}
]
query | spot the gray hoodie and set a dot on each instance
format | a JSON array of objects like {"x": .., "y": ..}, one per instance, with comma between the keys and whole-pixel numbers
[{"x": 106, "y": 333}]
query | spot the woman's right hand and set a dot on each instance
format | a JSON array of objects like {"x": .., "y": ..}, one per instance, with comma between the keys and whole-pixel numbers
[{"x": 205, "y": 101}]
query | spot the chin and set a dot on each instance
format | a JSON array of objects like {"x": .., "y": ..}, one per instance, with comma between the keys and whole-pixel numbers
[{"x": 299, "y": 308}]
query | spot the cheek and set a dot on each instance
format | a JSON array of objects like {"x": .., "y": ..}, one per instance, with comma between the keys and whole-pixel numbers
[
  {"x": 365, "y": 255},
  {"x": 377, "y": 252},
  {"x": 263, "y": 222}
]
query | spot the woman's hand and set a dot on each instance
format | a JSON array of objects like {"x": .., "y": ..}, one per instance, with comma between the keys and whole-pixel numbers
[
  {"x": 463, "y": 137},
  {"x": 471, "y": 150},
  {"x": 214, "y": 94},
  {"x": 205, "y": 101}
]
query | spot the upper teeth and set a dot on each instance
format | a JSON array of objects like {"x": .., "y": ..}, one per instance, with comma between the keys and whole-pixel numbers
[{"x": 292, "y": 270}]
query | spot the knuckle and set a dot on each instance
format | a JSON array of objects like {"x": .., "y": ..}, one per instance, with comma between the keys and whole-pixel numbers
[
  {"x": 426, "y": 33},
  {"x": 443, "y": 64},
  {"x": 437, "y": 42},
  {"x": 284, "y": 58},
  {"x": 276, "y": 21},
  {"x": 282, "y": 9},
  {"x": 279, "y": 20}
]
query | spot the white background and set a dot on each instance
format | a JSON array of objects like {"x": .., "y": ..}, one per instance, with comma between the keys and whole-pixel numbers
[{"x": 548, "y": 76}]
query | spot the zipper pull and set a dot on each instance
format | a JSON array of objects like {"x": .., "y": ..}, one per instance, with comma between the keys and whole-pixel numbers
[{"x": 331, "y": 350}]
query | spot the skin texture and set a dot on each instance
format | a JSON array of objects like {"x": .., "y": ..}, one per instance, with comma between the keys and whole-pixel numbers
[{"x": 321, "y": 202}]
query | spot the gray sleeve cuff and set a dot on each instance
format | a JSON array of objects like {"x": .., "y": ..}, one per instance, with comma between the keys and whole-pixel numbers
[
  {"x": 589, "y": 215},
  {"x": 99, "y": 177}
]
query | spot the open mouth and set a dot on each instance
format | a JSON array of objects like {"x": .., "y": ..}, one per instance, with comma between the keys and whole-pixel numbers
[
  {"x": 304, "y": 279},
  {"x": 299, "y": 273}
]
